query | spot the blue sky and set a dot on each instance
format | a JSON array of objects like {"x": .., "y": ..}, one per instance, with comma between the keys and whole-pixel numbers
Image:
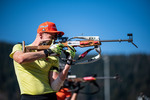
[{"x": 109, "y": 19}]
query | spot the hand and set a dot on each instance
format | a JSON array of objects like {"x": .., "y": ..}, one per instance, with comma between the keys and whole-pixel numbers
[
  {"x": 54, "y": 50},
  {"x": 70, "y": 54},
  {"x": 77, "y": 87}
]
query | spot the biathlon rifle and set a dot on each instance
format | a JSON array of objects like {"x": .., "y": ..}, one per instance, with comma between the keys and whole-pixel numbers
[
  {"x": 72, "y": 78},
  {"x": 89, "y": 79},
  {"x": 84, "y": 41}
]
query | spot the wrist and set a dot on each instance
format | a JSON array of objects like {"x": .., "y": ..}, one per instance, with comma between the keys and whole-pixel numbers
[
  {"x": 46, "y": 53},
  {"x": 69, "y": 62}
]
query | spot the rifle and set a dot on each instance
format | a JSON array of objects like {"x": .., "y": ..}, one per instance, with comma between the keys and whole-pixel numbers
[
  {"x": 90, "y": 78},
  {"x": 87, "y": 41}
]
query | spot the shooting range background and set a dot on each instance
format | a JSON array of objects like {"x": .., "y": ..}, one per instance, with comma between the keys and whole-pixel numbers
[{"x": 109, "y": 19}]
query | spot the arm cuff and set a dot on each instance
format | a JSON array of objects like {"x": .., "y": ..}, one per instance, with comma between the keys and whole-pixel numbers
[{"x": 56, "y": 84}]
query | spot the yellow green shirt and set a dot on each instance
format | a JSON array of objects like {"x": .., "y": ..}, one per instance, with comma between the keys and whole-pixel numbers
[{"x": 33, "y": 78}]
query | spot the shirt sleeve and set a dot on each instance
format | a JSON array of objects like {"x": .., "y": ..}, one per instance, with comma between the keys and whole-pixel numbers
[
  {"x": 55, "y": 65},
  {"x": 17, "y": 47}
]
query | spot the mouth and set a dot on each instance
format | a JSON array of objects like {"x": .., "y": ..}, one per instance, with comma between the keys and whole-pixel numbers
[{"x": 45, "y": 42}]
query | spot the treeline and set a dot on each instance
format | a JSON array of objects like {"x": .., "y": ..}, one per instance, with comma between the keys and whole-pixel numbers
[
  {"x": 134, "y": 72},
  {"x": 8, "y": 83}
]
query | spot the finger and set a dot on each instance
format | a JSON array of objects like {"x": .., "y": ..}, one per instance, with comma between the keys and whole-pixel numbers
[{"x": 61, "y": 45}]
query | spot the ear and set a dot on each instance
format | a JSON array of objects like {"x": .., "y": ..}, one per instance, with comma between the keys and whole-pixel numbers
[{"x": 40, "y": 34}]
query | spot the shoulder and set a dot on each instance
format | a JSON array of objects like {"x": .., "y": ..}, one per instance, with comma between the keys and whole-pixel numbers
[{"x": 16, "y": 47}]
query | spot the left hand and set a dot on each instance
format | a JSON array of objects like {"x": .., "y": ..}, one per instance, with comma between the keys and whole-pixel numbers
[
  {"x": 56, "y": 48},
  {"x": 70, "y": 54}
]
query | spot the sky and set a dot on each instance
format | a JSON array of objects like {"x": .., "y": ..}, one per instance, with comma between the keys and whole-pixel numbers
[{"x": 108, "y": 19}]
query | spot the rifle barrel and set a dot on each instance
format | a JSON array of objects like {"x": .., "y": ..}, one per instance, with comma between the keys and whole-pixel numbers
[
  {"x": 106, "y": 77},
  {"x": 119, "y": 40}
]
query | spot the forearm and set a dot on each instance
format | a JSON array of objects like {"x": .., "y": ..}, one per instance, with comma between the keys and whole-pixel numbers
[
  {"x": 74, "y": 96},
  {"x": 58, "y": 80},
  {"x": 64, "y": 72},
  {"x": 28, "y": 57}
]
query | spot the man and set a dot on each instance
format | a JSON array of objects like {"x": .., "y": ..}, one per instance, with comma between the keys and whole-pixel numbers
[
  {"x": 36, "y": 71},
  {"x": 69, "y": 90}
]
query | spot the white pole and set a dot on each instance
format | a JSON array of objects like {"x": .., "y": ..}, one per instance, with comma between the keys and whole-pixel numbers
[{"x": 106, "y": 81}]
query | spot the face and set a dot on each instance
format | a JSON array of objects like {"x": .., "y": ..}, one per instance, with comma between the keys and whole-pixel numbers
[{"x": 48, "y": 36}]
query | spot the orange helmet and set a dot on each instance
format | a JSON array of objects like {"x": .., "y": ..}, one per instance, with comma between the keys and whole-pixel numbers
[{"x": 49, "y": 27}]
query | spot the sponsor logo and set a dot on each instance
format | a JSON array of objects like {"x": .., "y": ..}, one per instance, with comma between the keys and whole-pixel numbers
[
  {"x": 44, "y": 26},
  {"x": 76, "y": 43},
  {"x": 43, "y": 29}
]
